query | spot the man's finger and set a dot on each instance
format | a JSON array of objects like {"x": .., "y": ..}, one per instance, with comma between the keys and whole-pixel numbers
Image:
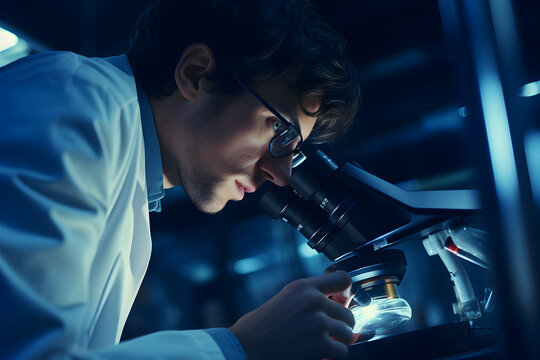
[
  {"x": 344, "y": 298},
  {"x": 339, "y": 312},
  {"x": 330, "y": 283},
  {"x": 340, "y": 331}
]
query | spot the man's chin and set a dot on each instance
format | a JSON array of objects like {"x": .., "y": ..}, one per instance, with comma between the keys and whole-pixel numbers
[
  {"x": 209, "y": 202},
  {"x": 211, "y": 207}
]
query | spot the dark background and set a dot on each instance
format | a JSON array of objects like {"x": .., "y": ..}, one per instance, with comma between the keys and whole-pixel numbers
[{"x": 209, "y": 270}]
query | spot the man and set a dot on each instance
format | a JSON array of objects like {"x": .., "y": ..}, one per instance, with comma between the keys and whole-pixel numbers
[{"x": 215, "y": 96}]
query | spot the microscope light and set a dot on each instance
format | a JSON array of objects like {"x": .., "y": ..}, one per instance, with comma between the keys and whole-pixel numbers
[
  {"x": 364, "y": 314},
  {"x": 381, "y": 315}
]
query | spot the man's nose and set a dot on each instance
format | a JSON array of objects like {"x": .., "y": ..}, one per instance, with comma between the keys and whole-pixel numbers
[{"x": 277, "y": 170}]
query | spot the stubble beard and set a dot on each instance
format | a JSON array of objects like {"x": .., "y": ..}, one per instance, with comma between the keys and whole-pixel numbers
[
  {"x": 200, "y": 187},
  {"x": 203, "y": 191}
]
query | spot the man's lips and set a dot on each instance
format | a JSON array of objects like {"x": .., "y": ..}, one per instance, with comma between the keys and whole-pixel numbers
[{"x": 244, "y": 188}]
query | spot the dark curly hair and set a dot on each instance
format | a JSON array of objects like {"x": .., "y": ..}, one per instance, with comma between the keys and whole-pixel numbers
[{"x": 257, "y": 40}]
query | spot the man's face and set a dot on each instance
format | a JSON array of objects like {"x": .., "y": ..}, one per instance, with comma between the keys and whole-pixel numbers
[{"x": 218, "y": 156}]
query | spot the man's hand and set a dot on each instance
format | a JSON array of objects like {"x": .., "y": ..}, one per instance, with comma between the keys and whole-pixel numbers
[{"x": 300, "y": 322}]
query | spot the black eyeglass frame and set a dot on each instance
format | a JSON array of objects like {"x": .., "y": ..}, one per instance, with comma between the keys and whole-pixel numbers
[{"x": 298, "y": 156}]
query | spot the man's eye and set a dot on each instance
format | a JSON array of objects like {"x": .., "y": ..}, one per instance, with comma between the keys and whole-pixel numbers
[{"x": 278, "y": 126}]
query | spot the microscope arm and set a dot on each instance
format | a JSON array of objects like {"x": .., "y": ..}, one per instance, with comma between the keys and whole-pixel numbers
[{"x": 439, "y": 202}]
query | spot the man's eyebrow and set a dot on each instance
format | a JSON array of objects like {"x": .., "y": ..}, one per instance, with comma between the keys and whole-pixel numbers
[
  {"x": 289, "y": 116},
  {"x": 293, "y": 119}
]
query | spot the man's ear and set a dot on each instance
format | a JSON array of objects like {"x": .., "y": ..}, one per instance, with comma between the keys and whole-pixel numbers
[{"x": 196, "y": 61}]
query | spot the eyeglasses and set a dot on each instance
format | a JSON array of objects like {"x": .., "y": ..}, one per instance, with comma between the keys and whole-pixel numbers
[{"x": 288, "y": 139}]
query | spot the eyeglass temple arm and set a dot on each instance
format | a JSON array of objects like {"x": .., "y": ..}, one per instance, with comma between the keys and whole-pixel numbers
[{"x": 264, "y": 103}]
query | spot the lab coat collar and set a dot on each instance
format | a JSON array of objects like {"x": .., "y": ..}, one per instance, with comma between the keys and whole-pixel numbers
[{"x": 154, "y": 171}]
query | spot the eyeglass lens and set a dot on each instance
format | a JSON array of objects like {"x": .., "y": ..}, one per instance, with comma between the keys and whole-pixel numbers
[{"x": 285, "y": 143}]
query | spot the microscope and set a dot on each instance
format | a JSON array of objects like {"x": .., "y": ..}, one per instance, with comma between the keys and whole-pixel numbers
[{"x": 355, "y": 219}]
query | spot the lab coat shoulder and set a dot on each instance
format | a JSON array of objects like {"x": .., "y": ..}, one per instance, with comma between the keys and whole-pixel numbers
[
  {"x": 74, "y": 232},
  {"x": 68, "y": 148},
  {"x": 68, "y": 116},
  {"x": 66, "y": 70}
]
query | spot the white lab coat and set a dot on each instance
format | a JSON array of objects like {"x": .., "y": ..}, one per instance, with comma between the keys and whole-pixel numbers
[{"x": 74, "y": 228}]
